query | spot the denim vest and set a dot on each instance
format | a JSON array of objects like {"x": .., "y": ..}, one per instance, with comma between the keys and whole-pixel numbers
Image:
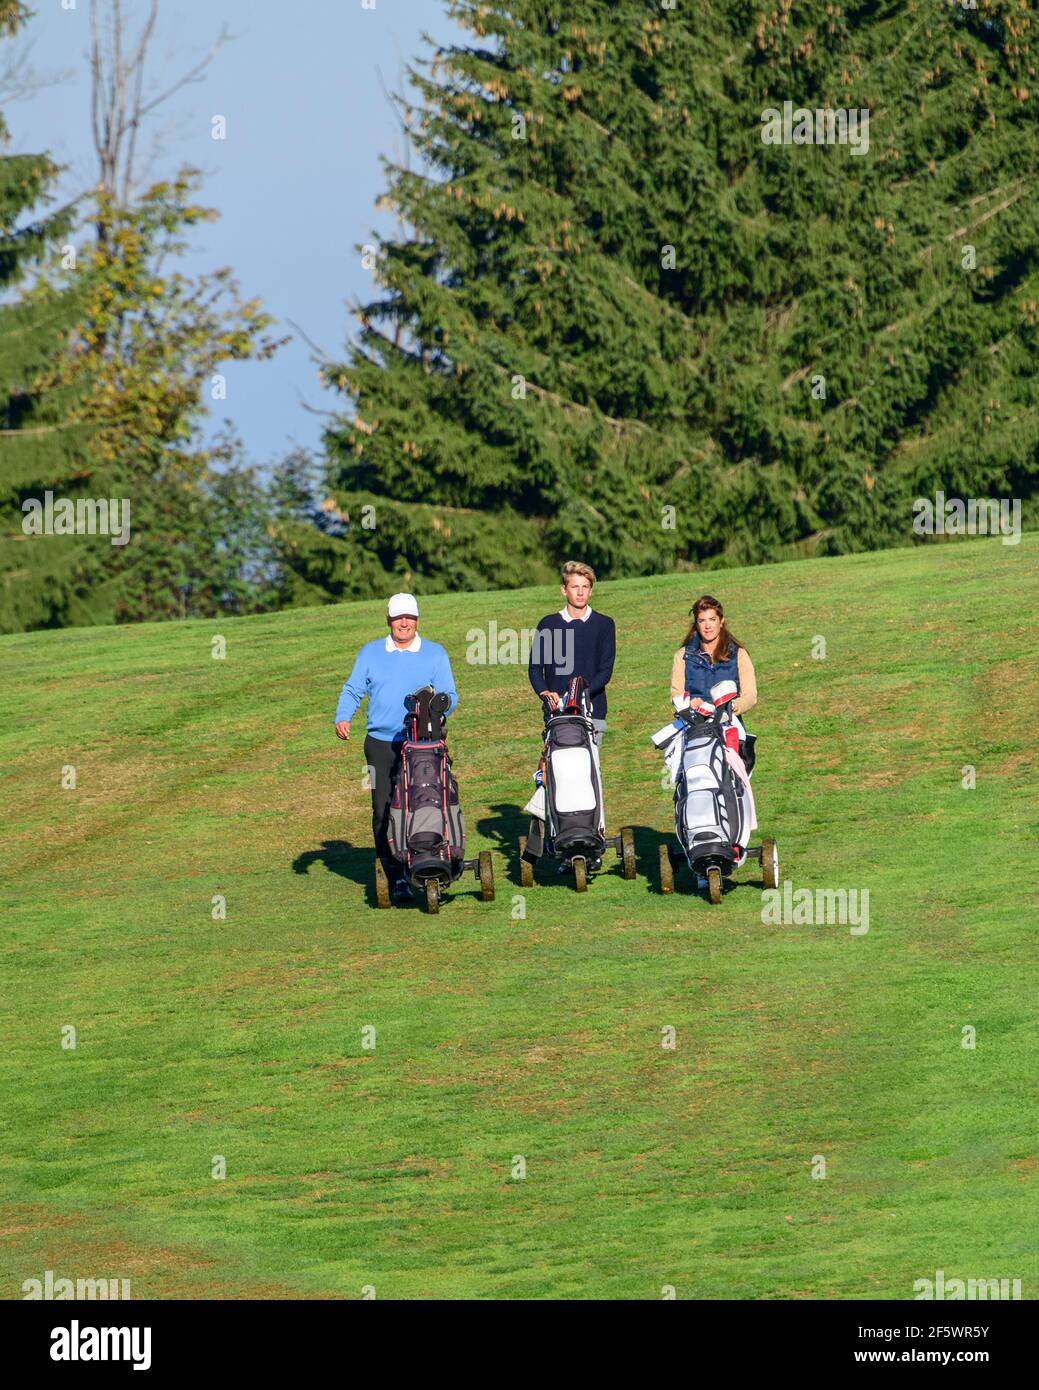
[{"x": 701, "y": 673}]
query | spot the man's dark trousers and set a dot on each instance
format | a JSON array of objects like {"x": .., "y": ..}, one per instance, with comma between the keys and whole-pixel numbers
[{"x": 383, "y": 759}]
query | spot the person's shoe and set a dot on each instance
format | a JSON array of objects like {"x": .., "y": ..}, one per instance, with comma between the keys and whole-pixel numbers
[
  {"x": 594, "y": 865},
  {"x": 402, "y": 891}
]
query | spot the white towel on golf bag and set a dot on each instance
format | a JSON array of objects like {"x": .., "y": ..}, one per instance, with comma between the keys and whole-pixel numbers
[{"x": 673, "y": 758}]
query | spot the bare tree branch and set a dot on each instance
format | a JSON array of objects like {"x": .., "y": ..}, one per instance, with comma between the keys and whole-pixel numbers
[
  {"x": 193, "y": 76},
  {"x": 392, "y": 100},
  {"x": 95, "y": 79},
  {"x": 316, "y": 410},
  {"x": 138, "y": 67},
  {"x": 118, "y": 105},
  {"x": 18, "y": 80},
  {"x": 309, "y": 341}
]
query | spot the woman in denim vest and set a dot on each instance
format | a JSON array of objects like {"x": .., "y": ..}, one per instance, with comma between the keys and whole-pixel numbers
[{"x": 711, "y": 654}]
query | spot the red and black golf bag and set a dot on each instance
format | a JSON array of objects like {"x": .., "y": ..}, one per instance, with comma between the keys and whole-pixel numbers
[{"x": 426, "y": 831}]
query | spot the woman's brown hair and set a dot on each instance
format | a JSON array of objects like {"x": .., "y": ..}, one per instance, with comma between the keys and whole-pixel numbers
[{"x": 726, "y": 640}]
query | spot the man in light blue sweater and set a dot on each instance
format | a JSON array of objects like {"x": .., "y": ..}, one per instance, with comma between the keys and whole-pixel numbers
[{"x": 387, "y": 670}]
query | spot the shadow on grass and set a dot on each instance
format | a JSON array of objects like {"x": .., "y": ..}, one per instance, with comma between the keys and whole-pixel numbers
[
  {"x": 503, "y": 828},
  {"x": 507, "y": 823},
  {"x": 647, "y": 854},
  {"x": 357, "y": 863},
  {"x": 353, "y": 862}
]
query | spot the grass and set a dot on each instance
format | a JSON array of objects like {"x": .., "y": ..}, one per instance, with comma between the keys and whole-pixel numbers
[{"x": 498, "y": 1035}]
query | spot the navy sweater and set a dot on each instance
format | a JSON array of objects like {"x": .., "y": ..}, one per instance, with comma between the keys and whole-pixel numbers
[{"x": 584, "y": 647}]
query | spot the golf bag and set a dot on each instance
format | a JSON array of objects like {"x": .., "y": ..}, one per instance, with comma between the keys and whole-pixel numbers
[
  {"x": 426, "y": 831},
  {"x": 712, "y": 818},
  {"x": 574, "y": 822},
  {"x": 710, "y": 763}
]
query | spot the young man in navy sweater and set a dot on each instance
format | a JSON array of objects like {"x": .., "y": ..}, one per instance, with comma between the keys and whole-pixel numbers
[{"x": 575, "y": 642}]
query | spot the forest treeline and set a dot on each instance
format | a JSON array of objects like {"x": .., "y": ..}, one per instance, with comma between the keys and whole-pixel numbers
[{"x": 634, "y": 309}]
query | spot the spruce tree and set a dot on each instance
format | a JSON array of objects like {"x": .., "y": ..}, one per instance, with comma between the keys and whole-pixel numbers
[
  {"x": 108, "y": 358},
  {"x": 45, "y": 580},
  {"x": 619, "y": 324}
]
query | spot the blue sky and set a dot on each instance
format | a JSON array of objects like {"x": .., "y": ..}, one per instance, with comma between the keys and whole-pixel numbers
[{"x": 295, "y": 181}]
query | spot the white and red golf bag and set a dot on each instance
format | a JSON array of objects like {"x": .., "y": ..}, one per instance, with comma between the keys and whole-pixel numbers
[{"x": 714, "y": 803}]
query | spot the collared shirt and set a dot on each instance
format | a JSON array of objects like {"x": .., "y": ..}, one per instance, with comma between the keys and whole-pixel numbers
[
  {"x": 387, "y": 675},
  {"x": 565, "y": 647}
]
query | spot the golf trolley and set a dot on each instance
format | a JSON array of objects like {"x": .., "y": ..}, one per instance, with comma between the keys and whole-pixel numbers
[
  {"x": 714, "y": 804},
  {"x": 567, "y": 819},
  {"x": 426, "y": 829}
]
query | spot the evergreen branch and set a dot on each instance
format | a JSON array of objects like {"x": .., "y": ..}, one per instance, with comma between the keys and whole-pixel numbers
[
  {"x": 545, "y": 393},
  {"x": 886, "y": 57},
  {"x": 416, "y": 358},
  {"x": 926, "y": 252},
  {"x": 970, "y": 227},
  {"x": 991, "y": 193},
  {"x": 793, "y": 378}
]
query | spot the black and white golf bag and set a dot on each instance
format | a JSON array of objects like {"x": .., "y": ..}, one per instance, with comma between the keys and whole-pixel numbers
[
  {"x": 573, "y": 816},
  {"x": 711, "y": 817},
  {"x": 426, "y": 831},
  {"x": 714, "y": 806}
]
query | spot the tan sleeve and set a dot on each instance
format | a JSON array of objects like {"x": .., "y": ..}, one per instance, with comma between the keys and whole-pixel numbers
[
  {"x": 748, "y": 696},
  {"x": 678, "y": 675}
]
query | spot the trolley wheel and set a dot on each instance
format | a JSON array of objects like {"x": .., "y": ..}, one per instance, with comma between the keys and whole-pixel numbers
[
  {"x": 769, "y": 864},
  {"x": 714, "y": 883},
  {"x": 628, "y": 851},
  {"x": 432, "y": 895},
  {"x": 667, "y": 871},
  {"x": 382, "y": 885},
  {"x": 580, "y": 864},
  {"x": 486, "y": 872},
  {"x": 526, "y": 867}
]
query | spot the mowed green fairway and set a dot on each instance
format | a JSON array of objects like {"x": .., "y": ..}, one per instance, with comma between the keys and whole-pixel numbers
[{"x": 499, "y": 1035}]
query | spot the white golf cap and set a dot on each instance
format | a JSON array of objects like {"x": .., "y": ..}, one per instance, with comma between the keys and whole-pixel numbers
[{"x": 402, "y": 606}]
